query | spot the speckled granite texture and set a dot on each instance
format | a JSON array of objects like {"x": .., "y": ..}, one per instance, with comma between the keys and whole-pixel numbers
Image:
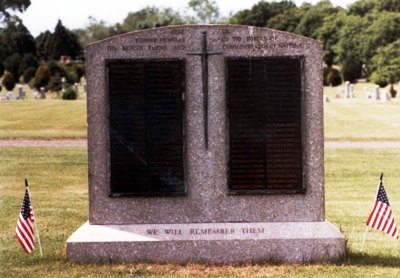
[
  {"x": 208, "y": 225},
  {"x": 206, "y": 170}
]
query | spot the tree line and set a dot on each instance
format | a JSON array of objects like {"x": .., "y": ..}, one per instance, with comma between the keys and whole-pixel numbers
[{"x": 360, "y": 41}]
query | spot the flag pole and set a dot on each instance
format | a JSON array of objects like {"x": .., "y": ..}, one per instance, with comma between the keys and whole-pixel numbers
[
  {"x": 366, "y": 227},
  {"x": 35, "y": 220}
]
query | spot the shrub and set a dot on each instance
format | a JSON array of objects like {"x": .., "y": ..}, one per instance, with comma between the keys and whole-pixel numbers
[
  {"x": 11, "y": 64},
  {"x": 332, "y": 77},
  {"x": 79, "y": 70},
  {"x": 351, "y": 70},
  {"x": 70, "y": 94},
  {"x": 28, "y": 61},
  {"x": 54, "y": 83},
  {"x": 392, "y": 91},
  {"x": 63, "y": 71},
  {"x": 42, "y": 77},
  {"x": 29, "y": 73},
  {"x": 9, "y": 81},
  {"x": 379, "y": 80}
]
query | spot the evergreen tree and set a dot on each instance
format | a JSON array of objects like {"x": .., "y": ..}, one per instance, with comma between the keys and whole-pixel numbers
[
  {"x": 8, "y": 81},
  {"x": 43, "y": 44},
  {"x": 11, "y": 64},
  {"x": 64, "y": 42},
  {"x": 28, "y": 61},
  {"x": 16, "y": 38},
  {"x": 6, "y": 5}
]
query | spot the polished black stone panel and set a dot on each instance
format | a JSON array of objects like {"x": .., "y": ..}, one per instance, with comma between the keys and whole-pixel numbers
[
  {"x": 264, "y": 99},
  {"x": 146, "y": 127}
]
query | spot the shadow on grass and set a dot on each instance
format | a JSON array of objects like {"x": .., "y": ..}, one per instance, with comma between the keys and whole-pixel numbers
[{"x": 358, "y": 259}]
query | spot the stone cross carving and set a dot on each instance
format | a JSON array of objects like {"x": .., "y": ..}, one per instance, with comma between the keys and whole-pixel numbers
[{"x": 204, "y": 63}]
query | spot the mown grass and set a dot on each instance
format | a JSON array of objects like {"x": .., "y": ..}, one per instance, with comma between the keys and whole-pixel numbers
[
  {"x": 360, "y": 119},
  {"x": 43, "y": 119},
  {"x": 58, "y": 181},
  {"x": 345, "y": 119}
]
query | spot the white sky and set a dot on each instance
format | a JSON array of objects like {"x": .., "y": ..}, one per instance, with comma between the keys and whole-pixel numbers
[{"x": 42, "y": 15}]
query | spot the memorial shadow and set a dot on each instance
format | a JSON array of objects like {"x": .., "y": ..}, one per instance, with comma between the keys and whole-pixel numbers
[{"x": 359, "y": 259}]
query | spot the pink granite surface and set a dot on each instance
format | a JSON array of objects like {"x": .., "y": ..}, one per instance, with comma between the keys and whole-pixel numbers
[{"x": 206, "y": 170}]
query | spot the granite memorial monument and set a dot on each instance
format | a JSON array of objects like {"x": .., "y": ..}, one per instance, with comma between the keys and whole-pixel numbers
[{"x": 205, "y": 145}]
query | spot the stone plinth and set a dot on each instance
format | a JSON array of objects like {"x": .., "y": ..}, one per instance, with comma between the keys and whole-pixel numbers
[{"x": 211, "y": 243}]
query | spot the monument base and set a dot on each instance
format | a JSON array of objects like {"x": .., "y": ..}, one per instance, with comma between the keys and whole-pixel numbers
[{"x": 211, "y": 243}]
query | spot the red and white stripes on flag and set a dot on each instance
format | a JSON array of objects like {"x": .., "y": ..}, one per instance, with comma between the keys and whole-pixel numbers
[
  {"x": 24, "y": 229},
  {"x": 381, "y": 217}
]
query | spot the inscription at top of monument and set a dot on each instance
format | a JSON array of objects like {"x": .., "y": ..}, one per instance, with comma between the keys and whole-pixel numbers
[{"x": 176, "y": 40}]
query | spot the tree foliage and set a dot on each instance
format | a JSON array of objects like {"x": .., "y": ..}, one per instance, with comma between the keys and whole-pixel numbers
[
  {"x": 43, "y": 45},
  {"x": 261, "y": 13},
  {"x": 16, "y": 5},
  {"x": 42, "y": 77},
  {"x": 363, "y": 7},
  {"x": 206, "y": 11},
  {"x": 389, "y": 5},
  {"x": 386, "y": 63},
  {"x": 350, "y": 47},
  {"x": 150, "y": 17},
  {"x": 12, "y": 63},
  {"x": 95, "y": 30},
  {"x": 28, "y": 61},
  {"x": 16, "y": 38},
  {"x": 64, "y": 43},
  {"x": 8, "y": 81},
  {"x": 285, "y": 21},
  {"x": 352, "y": 38},
  {"x": 313, "y": 17}
]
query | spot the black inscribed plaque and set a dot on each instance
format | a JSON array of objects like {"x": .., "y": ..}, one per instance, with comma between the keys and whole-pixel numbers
[
  {"x": 146, "y": 129},
  {"x": 265, "y": 143}
]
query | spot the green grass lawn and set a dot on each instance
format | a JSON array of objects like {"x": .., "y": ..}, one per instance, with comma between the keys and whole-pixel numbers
[
  {"x": 58, "y": 181},
  {"x": 345, "y": 119},
  {"x": 361, "y": 120},
  {"x": 43, "y": 119}
]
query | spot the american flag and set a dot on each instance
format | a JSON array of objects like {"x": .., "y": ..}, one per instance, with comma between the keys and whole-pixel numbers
[
  {"x": 381, "y": 217},
  {"x": 24, "y": 230}
]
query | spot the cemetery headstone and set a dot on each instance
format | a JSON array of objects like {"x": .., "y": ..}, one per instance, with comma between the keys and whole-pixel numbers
[
  {"x": 35, "y": 94},
  {"x": 376, "y": 94},
  {"x": 21, "y": 92},
  {"x": 347, "y": 89},
  {"x": 351, "y": 91},
  {"x": 76, "y": 87},
  {"x": 63, "y": 84},
  {"x": 42, "y": 92},
  {"x": 385, "y": 96},
  {"x": 205, "y": 145},
  {"x": 10, "y": 95}
]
